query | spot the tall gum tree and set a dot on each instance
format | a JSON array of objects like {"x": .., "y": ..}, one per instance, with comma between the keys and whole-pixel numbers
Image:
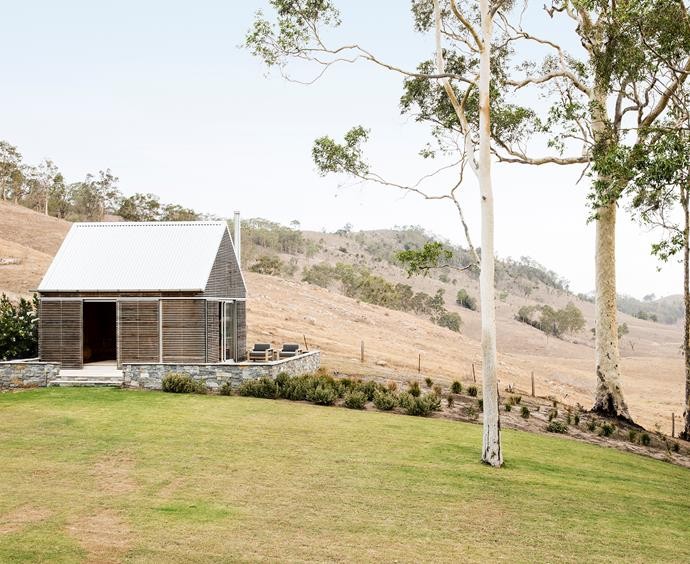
[
  {"x": 636, "y": 56},
  {"x": 457, "y": 93}
]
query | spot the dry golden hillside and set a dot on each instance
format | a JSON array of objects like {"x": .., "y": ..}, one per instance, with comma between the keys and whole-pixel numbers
[{"x": 284, "y": 310}]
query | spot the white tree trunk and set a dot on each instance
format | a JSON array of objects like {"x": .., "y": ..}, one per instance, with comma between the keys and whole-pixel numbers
[
  {"x": 609, "y": 399},
  {"x": 491, "y": 444}
]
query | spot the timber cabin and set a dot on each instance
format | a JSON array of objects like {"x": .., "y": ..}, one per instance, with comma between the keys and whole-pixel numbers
[{"x": 159, "y": 292}]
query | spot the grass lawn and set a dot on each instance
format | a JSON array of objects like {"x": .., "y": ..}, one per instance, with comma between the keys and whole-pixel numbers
[{"x": 109, "y": 475}]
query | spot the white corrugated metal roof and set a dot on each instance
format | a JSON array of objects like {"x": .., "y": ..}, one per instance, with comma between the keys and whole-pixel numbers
[{"x": 135, "y": 257}]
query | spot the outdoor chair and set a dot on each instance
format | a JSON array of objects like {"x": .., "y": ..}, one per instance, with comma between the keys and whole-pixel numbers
[
  {"x": 262, "y": 352},
  {"x": 289, "y": 350}
]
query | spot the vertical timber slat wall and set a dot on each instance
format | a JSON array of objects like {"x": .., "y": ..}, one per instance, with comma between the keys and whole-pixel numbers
[
  {"x": 138, "y": 331},
  {"x": 60, "y": 331},
  {"x": 212, "y": 331},
  {"x": 184, "y": 330},
  {"x": 241, "y": 313},
  {"x": 225, "y": 280}
]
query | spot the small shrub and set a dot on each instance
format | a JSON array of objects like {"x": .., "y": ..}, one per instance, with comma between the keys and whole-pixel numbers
[
  {"x": 369, "y": 388},
  {"x": 480, "y": 404},
  {"x": 429, "y": 382},
  {"x": 392, "y": 385},
  {"x": 450, "y": 400},
  {"x": 323, "y": 395},
  {"x": 437, "y": 390},
  {"x": 472, "y": 391},
  {"x": 385, "y": 401},
  {"x": 557, "y": 427},
  {"x": 553, "y": 414},
  {"x": 607, "y": 429},
  {"x": 262, "y": 388},
  {"x": 456, "y": 387},
  {"x": 576, "y": 419},
  {"x": 178, "y": 383},
  {"x": 632, "y": 436},
  {"x": 225, "y": 389},
  {"x": 515, "y": 400},
  {"x": 592, "y": 425},
  {"x": 413, "y": 389},
  {"x": 471, "y": 412},
  {"x": 355, "y": 399},
  {"x": 675, "y": 447},
  {"x": 645, "y": 439},
  {"x": 508, "y": 407},
  {"x": 524, "y": 412},
  {"x": 421, "y": 406},
  {"x": 282, "y": 380}
]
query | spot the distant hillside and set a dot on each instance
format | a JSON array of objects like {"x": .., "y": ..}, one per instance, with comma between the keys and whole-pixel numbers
[{"x": 284, "y": 308}]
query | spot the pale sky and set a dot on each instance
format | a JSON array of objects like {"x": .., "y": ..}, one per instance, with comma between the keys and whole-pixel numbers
[{"x": 159, "y": 92}]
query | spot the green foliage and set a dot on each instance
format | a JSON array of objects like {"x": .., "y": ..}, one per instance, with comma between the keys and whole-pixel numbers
[
  {"x": 346, "y": 158},
  {"x": 645, "y": 439},
  {"x": 385, "y": 401},
  {"x": 180, "y": 383},
  {"x": 355, "y": 399},
  {"x": 449, "y": 320},
  {"x": 632, "y": 435},
  {"x": 18, "y": 328},
  {"x": 322, "y": 394},
  {"x": 422, "y": 261},
  {"x": 508, "y": 407},
  {"x": 557, "y": 427},
  {"x": 263, "y": 387},
  {"x": 450, "y": 400},
  {"x": 553, "y": 414},
  {"x": 480, "y": 404},
  {"x": 429, "y": 382},
  {"x": 524, "y": 412},
  {"x": 319, "y": 274},
  {"x": 463, "y": 299},
  {"x": 421, "y": 406},
  {"x": 266, "y": 264},
  {"x": 413, "y": 388},
  {"x": 551, "y": 321},
  {"x": 607, "y": 429},
  {"x": 264, "y": 234},
  {"x": 456, "y": 387},
  {"x": 623, "y": 330},
  {"x": 472, "y": 391},
  {"x": 225, "y": 389}
]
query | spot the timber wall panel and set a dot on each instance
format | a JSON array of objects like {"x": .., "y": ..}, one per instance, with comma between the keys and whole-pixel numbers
[
  {"x": 138, "y": 332},
  {"x": 184, "y": 330},
  {"x": 60, "y": 333},
  {"x": 241, "y": 313},
  {"x": 213, "y": 331},
  {"x": 225, "y": 280}
]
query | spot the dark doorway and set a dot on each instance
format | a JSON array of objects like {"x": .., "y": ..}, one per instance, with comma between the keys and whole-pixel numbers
[{"x": 100, "y": 332}]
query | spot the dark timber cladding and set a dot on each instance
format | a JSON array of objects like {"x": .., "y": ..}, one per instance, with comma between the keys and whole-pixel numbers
[{"x": 163, "y": 292}]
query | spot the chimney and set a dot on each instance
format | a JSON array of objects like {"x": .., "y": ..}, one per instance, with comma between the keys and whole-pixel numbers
[{"x": 238, "y": 238}]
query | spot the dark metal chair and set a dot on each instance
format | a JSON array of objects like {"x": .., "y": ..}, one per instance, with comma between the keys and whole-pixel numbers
[{"x": 262, "y": 352}]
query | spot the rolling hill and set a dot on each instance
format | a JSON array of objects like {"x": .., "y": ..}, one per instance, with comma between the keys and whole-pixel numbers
[{"x": 283, "y": 308}]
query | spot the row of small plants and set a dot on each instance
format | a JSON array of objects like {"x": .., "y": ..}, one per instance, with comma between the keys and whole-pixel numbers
[{"x": 321, "y": 389}]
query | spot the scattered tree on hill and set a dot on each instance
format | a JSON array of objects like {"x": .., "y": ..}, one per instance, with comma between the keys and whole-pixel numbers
[
  {"x": 465, "y": 300},
  {"x": 268, "y": 264},
  {"x": 554, "y": 322},
  {"x": 18, "y": 328}
]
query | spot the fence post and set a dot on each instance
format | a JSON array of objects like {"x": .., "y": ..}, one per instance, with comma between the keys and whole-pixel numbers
[
  {"x": 474, "y": 375},
  {"x": 673, "y": 424},
  {"x": 532, "y": 383},
  {"x": 361, "y": 352},
  {"x": 419, "y": 363}
]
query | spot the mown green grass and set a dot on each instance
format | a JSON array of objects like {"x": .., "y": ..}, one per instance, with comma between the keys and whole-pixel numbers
[{"x": 210, "y": 478}]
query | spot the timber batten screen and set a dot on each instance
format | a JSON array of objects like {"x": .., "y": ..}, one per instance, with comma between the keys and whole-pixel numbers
[
  {"x": 139, "y": 336},
  {"x": 60, "y": 332},
  {"x": 168, "y": 283}
]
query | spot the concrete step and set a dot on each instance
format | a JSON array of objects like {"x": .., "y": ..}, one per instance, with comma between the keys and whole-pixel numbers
[{"x": 60, "y": 382}]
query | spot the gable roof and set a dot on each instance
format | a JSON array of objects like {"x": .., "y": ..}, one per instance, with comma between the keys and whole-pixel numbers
[{"x": 143, "y": 256}]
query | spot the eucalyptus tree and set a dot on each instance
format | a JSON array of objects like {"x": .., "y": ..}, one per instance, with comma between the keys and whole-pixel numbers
[
  {"x": 604, "y": 101},
  {"x": 660, "y": 198},
  {"x": 457, "y": 92}
]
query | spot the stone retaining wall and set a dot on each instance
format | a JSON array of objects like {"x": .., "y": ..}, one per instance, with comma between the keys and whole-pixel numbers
[
  {"x": 27, "y": 374},
  {"x": 150, "y": 376}
]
